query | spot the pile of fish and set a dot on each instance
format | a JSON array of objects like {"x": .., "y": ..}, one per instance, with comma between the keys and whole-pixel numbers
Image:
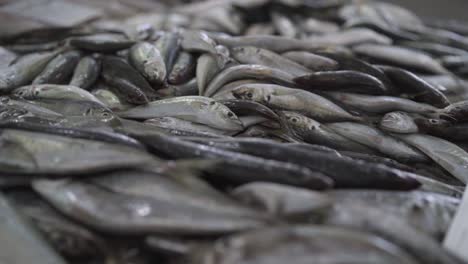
[{"x": 222, "y": 132}]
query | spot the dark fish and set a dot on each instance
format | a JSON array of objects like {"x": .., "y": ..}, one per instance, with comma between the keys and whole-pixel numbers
[
  {"x": 86, "y": 72},
  {"x": 415, "y": 87},
  {"x": 456, "y": 112},
  {"x": 346, "y": 172},
  {"x": 245, "y": 107},
  {"x": 236, "y": 167},
  {"x": 183, "y": 69},
  {"x": 126, "y": 81},
  {"x": 169, "y": 46},
  {"x": 59, "y": 69},
  {"x": 102, "y": 42},
  {"x": 350, "y": 81}
]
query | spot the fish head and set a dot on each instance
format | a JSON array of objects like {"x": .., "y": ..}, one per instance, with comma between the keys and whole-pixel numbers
[
  {"x": 250, "y": 93},
  {"x": 299, "y": 121},
  {"x": 226, "y": 118},
  {"x": 25, "y": 92},
  {"x": 398, "y": 122}
]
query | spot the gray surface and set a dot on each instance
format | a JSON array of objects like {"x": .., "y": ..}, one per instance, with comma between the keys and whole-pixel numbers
[{"x": 427, "y": 9}]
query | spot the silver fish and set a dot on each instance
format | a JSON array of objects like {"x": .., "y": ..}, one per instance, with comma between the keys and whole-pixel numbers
[
  {"x": 197, "y": 109},
  {"x": 398, "y": 122}
]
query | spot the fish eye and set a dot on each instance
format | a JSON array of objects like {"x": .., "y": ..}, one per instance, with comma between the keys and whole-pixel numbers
[
  {"x": 36, "y": 93},
  {"x": 294, "y": 120},
  {"x": 105, "y": 114},
  {"x": 433, "y": 121},
  {"x": 230, "y": 114},
  {"x": 212, "y": 103},
  {"x": 249, "y": 95}
]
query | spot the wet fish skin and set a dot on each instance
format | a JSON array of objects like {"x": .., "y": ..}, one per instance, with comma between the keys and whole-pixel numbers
[
  {"x": 448, "y": 155},
  {"x": 182, "y": 125},
  {"x": 352, "y": 63},
  {"x": 24, "y": 70},
  {"x": 392, "y": 228},
  {"x": 400, "y": 56},
  {"x": 86, "y": 72},
  {"x": 276, "y": 244},
  {"x": 346, "y": 172},
  {"x": 456, "y": 112},
  {"x": 248, "y": 71},
  {"x": 239, "y": 168},
  {"x": 147, "y": 59},
  {"x": 374, "y": 138},
  {"x": 154, "y": 216},
  {"x": 16, "y": 231},
  {"x": 312, "y": 131},
  {"x": 183, "y": 70},
  {"x": 350, "y": 81},
  {"x": 429, "y": 212},
  {"x": 59, "y": 69},
  {"x": 381, "y": 104},
  {"x": 169, "y": 46},
  {"x": 102, "y": 42},
  {"x": 198, "y": 109},
  {"x": 281, "y": 200},
  {"x": 312, "y": 61},
  {"x": 274, "y": 43},
  {"x": 36, "y": 110},
  {"x": 35, "y": 153},
  {"x": 283, "y": 98},
  {"x": 207, "y": 68},
  {"x": 75, "y": 107},
  {"x": 258, "y": 56},
  {"x": 245, "y": 107},
  {"x": 54, "y": 91},
  {"x": 188, "y": 88},
  {"x": 126, "y": 81},
  {"x": 398, "y": 122},
  {"x": 411, "y": 83}
]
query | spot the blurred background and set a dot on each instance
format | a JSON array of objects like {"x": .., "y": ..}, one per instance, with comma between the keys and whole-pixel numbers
[{"x": 448, "y": 9}]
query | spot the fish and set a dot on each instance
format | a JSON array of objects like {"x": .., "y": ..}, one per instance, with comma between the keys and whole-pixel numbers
[
  {"x": 182, "y": 125},
  {"x": 207, "y": 68},
  {"x": 283, "y": 25},
  {"x": 102, "y": 42},
  {"x": 183, "y": 70},
  {"x": 283, "y": 98},
  {"x": 188, "y": 88},
  {"x": 246, "y": 107},
  {"x": 313, "y": 132},
  {"x": 169, "y": 46},
  {"x": 278, "y": 44},
  {"x": 17, "y": 231},
  {"x": 238, "y": 168},
  {"x": 24, "y": 70},
  {"x": 282, "y": 200},
  {"x": 381, "y": 104},
  {"x": 248, "y": 71},
  {"x": 303, "y": 242},
  {"x": 109, "y": 98},
  {"x": 59, "y": 69},
  {"x": 350, "y": 81},
  {"x": 392, "y": 228},
  {"x": 68, "y": 238},
  {"x": 126, "y": 81},
  {"x": 75, "y": 108},
  {"x": 398, "y": 122},
  {"x": 54, "y": 91},
  {"x": 147, "y": 59},
  {"x": 448, "y": 155},
  {"x": 197, "y": 109},
  {"x": 154, "y": 215},
  {"x": 345, "y": 172},
  {"x": 377, "y": 140},
  {"x": 34, "y": 109},
  {"x": 455, "y": 112},
  {"x": 429, "y": 212},
  {"x": 400, "y": 56},
  {"x": 312, "y": 61},
  {"x": 350, "y": 37},
  {"x": 258, "y": 56},
  {"x": 35, "y": 153},
  {"x": 86, "y": 72},
  {"x": 411, "y": 84}
]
